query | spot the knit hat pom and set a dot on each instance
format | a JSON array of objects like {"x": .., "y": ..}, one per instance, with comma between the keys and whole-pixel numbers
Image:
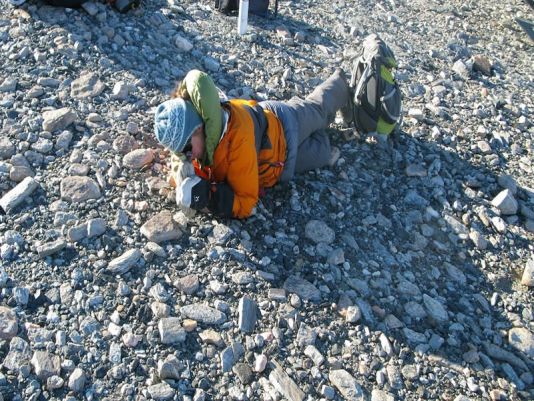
[{"x": 174, "y": 123}]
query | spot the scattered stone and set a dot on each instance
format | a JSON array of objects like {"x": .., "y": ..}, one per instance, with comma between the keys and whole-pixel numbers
[
  {"x": 528, "y": 274},
  {"x": 313, "y": 353},
  {"x": 497, "y": 352},
  {"x": 169, "y": 368},
  {"x": 77, "y": 189},
  {"x": 505, "y": 202},
  {"x": 203, "y": 313},
  {"x": 260, "y": 363},
  {"x": 77, "y": 380},
  {"x": 284, "y": 384},
  {"x": 54, "y": 382},
  {"x": 304, "y": 289},
  {"x": 171, "y": 330},
  {"x": 7, "y": 149},
  {"x": 45, "y": 364},
  {"x": 243, "y": 372},
  {"x": 125, "y": 262},
  {"x": 18, "y": 194},
  {"x": 435, "y": 309},
  {"x": 212, "y": 337},
  {"x": 188, "y": 284},
  {"x": 51, "y": 247},
  {"x": 58, "y": 120},
  {"x": 161, "y": 391},
  {"x": 482, "y": 64},
  {"x": 227, "y": 359},
  {"x": 306, "y": 335},
  {"x": 88, "y": 85},
  {"x": 8, "y": 323},
  {"x": 247, "y": 311},
  {"x": 380, "y": 395},
  {"x": 161, "y": 228},
  {"x": 120, "y": 90},
  {"x": 522, "y": 340},
  {"x": 353, "y": 314},
  {"x": 346, "y": 385},
  {"x": 139, "y": 158},
  {"x": 182, "y": 43},
  {"x": 318, "y": 231},
  {"x": 125, "y": 144},
  {"x": 415, "y": 170}
]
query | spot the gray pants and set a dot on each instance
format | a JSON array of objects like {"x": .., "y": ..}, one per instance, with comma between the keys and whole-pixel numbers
[
  {"x": 314, "y": 114},
  {"x": 304, "y": 121}
]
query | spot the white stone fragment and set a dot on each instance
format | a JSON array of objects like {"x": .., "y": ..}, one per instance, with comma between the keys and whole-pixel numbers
[{"x": 17, "y": 195}]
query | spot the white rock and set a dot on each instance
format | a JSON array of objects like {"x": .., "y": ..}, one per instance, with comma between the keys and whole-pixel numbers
[
  {"x": 78, "y": 189},
  {"x": 352, "y": 313},
  {"x": 528, "y": 274},
  {"x": 17, "y": 195},
  {"x": 284, "y": 384},
  {"x": 161, "y": 391},
  {"x": 87, "y": 86},
  {"x": 77, "y": 380},
  {"x": 54, "y": 382},
  {"x": 8, "y": 323},
  {"x": 120, "y": 90},
  {"x": 161, "y": 227},
  {"x": 171, "y": 330},
  {"x": 313, "y": 353},
  {"x": 56, "y": 120},
  {"x": 138, "y": 158},
  {"x": 45, "y": 364},
  {"x": 124, "y": 263},
  {"x": 505, "y": 202},
  {"x": 182, "y": 43},
  {"x": 346, "y": 385},
  {"x": 522, "y": 340},
  {"x": 260, "y": 363}
]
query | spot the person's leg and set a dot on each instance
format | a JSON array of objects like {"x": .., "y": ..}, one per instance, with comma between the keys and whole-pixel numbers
[
  {"x": 314, "y": 152},
  {"x": 319, "y": 108}
]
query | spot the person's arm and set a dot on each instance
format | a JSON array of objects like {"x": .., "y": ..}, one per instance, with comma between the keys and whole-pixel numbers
[
  {"x": 238, "y": 194},
  {"x": 242, "y": 177}
]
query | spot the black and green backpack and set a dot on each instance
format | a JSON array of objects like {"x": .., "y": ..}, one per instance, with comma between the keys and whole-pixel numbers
[{"x": 377, "y": 97}]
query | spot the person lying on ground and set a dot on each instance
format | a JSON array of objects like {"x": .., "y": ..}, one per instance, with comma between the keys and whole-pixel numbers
[{"x": 239, "y": 147}]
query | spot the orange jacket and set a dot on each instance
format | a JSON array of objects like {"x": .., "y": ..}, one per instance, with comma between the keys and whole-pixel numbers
[{"x": 249, "y": 156}]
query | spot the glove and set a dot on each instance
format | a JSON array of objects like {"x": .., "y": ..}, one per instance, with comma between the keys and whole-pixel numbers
[{"x": 194, "y": 193}]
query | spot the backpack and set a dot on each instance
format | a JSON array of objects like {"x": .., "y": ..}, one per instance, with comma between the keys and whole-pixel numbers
[
  {"x": 377, "y": 97},
  {"x": 258, "y": 7}
]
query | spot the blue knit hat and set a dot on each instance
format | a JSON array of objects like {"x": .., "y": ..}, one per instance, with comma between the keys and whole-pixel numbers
[{"x": 174, "y": 123}]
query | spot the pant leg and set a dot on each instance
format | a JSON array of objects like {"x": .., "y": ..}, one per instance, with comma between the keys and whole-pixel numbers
[
  {"x": 319, "y": 108},
  {"x": 313, "y": 152}
]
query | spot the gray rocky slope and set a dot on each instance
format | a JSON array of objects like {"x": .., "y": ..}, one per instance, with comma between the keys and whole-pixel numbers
[{"x": 402, "y": 275}]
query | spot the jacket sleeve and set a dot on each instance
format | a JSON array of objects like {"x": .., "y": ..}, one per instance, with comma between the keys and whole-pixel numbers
[
  {"x": 242, "y": 175},
  {"x": 205, "y": 98}
]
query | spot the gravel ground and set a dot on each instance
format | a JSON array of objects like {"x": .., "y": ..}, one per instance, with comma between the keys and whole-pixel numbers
[{"x": 401, "y": 275}]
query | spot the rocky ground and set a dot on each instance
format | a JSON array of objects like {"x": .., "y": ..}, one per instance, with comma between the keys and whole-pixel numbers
[{"x": 405, "y": 275}]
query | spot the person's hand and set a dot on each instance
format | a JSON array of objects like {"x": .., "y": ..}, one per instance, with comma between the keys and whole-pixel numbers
[{"x": 194, "y": 193}]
